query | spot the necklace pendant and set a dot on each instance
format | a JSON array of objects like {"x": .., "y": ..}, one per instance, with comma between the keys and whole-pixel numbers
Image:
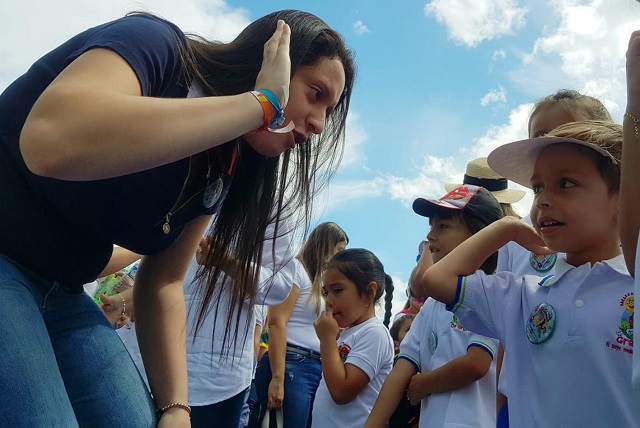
[
  {"x": 212, "y": 193},
  {"x": 166, "y": 228}
]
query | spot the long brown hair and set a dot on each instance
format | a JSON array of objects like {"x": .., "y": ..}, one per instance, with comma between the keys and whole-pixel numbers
[
  {"x": 259, "y": 185},
  {"x": 316, "y": 252}
]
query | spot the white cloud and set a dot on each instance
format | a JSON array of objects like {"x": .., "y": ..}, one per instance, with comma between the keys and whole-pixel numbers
[
  {"x": 471, "y": 22},
  {"x": 584, "y": 50},
  {"x": 58, "y": 21},
  {"x": 359, "y": 28},
  {"x": 499, "y": 54},
  {"x": 354, "y": 138},
  {"x": 494, "y": 96}
]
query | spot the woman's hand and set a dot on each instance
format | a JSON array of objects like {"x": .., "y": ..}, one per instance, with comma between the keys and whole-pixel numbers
[
  {"x": 415, "y": 392},
  {"x": 326, "y": 326},
  {"x": 275, "y": 394},
  {"x": 275, "y": 73}
]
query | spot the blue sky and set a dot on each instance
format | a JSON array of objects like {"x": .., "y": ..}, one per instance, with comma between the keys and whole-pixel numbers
[{"x": 440, "y": 82}]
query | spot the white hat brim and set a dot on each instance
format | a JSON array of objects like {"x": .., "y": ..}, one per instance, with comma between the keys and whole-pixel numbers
[{"x": 515, "y": 161}]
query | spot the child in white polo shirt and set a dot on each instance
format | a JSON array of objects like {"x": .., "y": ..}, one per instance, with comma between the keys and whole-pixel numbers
[
  {"x": 450, "y": 371},
  {"x": 630, "y": 185},
  {"x": 568, "y": 335}
]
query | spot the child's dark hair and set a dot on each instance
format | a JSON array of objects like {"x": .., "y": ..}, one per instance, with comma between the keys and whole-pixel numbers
[
  {"x": 474, "y": 225},
  {"x": 361, "y": 267},
  {"x": 394, "y": 331}
]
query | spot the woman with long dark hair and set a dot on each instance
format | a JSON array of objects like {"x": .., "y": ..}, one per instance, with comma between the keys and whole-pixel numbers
[{"x": 175, "y": 128}]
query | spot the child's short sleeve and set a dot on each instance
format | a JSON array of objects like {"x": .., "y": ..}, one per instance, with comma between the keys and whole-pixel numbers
[
  {"x": 489, "y": 344},
  {"x": 481, "y": 301},
  {"x": 412, "y": 343},
  {"x": 371, "y": 351}
]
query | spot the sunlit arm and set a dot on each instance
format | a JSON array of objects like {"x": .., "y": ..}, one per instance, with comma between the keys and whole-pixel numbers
[
  {"x": 161, "y": 317},
  {"x": 440, "y": 280},
  {"x": 92, "y": 122}
]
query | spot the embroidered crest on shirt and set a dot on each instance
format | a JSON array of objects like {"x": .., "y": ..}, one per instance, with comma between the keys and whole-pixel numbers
[
  {"x": 624, "y": 333},
  {"x": 343, "y": 350},
  {"x": 542, "y": 262},
  {"x": 455, "y": 323}
]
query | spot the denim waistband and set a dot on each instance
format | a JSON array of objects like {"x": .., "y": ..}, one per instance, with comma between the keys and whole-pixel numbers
[{"x": 303, "y": 351}]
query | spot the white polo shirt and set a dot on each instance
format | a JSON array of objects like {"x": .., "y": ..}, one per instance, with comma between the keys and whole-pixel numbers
[
  {"x": 579, "y": 376},
  {"x": 436, "y": 338},
  {"x": 369, "y": 347}
]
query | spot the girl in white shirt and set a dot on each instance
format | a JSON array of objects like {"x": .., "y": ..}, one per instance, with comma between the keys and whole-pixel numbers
[
  {"x": 288, "y": 375},
  {"x": 355, "y": 367}
]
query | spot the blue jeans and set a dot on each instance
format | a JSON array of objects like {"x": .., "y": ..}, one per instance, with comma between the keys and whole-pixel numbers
[
  {"x": 62, "y": 364},
  {"x": 301, "y": 379},
  {"x": 225, "y": 414}
]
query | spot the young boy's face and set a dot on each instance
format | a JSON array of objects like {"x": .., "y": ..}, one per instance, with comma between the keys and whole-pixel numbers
[
  {"x": 572, "y": 208},
  {"x": 445, "y": 235}
]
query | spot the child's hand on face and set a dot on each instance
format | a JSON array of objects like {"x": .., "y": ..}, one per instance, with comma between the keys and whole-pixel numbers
[
  {"x": 633, "y": 74},
  {"x": 326, "y": 326},
  {"x": 525, "y": 235}
]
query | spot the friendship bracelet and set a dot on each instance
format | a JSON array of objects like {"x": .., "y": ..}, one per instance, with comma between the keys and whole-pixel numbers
[
  {"x": 124, "y": 305},
  {"x": 267, "y": 109},
  {"x": 172, "y": 405},
  {"x": 635, "y": 123},
  {"x": 278, "y": 120}
]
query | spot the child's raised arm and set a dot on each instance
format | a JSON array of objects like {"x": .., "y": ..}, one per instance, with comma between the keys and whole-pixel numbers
[
  {"x": 440, "y": 281},
  {"x": 391, "y": 393},
  {"x": 456, "y": 374},
  {"x": 630, "y": 177},
  {"x": 344, "y": 381}
]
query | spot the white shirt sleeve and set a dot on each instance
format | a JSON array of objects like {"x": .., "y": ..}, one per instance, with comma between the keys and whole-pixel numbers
[{"x": 277, "y": 267}]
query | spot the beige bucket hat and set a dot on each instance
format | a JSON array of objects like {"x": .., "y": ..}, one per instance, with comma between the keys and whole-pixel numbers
[{"x": 479, "y": 173}]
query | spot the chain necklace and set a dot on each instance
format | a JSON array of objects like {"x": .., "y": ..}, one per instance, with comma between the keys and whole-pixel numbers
[{"x": 211, "y": 194}]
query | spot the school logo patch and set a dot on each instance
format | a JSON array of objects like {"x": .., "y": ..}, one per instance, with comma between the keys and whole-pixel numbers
[
  {"x": 455, "y": 323},
  {"x": 624, "y": 332},
  {"x": 343, "y": 350},
  {"x": 626, "y": 321},
  {"x": 541, "y": 262}
]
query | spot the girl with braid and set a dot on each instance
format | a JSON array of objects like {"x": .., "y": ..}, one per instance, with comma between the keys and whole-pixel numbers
[{"x": 355, "y": 367}]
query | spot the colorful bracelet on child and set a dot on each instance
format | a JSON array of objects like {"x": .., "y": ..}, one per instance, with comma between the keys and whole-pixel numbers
[
  {"x": 273, "y": 112},
  {"x": 179, "y": 405}
]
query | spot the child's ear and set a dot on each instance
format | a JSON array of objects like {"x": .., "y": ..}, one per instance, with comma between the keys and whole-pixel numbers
[{"x": 372, "y": 290}]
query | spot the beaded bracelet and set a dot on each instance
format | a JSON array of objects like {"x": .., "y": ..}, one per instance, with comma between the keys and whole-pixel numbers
[
  {"x": 635, "y": 123},
  {"x": 172, "y": 405},
  {"x": 124, "y": 305}
]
